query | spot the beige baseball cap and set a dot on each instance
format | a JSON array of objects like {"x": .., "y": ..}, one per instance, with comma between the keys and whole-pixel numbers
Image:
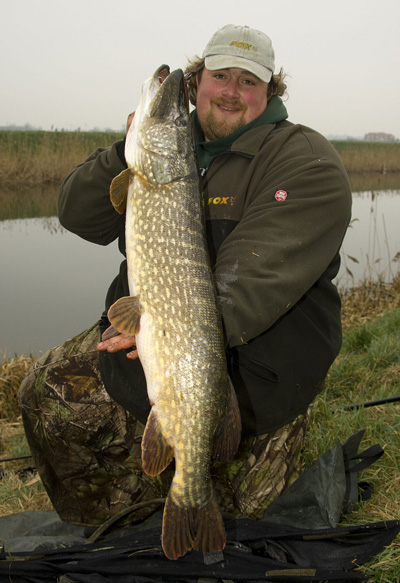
[{"x": 243, "y": 47}]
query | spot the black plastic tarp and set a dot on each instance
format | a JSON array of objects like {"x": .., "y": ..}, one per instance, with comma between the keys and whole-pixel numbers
[
  {"x": 298, "y": 539},
  {"x": 256, "y": 551}
]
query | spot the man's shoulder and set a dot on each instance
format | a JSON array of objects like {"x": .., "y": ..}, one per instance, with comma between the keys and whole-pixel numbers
[
  {"x": 255, "y": 138},
  {"x": 284, "y": 135},
  {"x": 286, "y": 129}
]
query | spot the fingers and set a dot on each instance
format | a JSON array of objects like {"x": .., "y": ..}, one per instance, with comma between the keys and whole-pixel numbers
[
  {"x": 121, "y": 342},
  {"x": 129, "y": 121},
  {"x": 132, "y": 355}
]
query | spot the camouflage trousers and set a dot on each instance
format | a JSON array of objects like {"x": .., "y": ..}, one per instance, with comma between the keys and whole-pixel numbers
[{"x": 87, "y": 448}]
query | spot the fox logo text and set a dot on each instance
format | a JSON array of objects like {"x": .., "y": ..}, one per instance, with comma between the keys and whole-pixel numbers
[
  {"x": 221, "y": 200},
  {"x": 241, "y": 45}
]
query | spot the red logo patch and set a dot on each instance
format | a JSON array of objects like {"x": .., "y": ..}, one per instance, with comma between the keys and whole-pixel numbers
[{"x": 280, "y": 195}]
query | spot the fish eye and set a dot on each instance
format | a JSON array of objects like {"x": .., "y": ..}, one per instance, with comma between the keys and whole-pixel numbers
[{"x": 180, "y": 122}]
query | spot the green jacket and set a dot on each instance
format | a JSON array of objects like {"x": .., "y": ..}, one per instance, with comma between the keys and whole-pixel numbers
[{"x": 277, "y": 207}]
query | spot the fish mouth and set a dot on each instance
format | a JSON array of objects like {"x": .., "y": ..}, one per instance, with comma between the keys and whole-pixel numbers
[
  {"x": 171, "y": 93},
  {"x": 162, "y": 73}
]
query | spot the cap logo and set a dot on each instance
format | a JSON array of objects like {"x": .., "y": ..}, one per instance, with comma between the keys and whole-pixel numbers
[
  {"x": 241, "y": 45},
  {"x": 280, "y": 195}
]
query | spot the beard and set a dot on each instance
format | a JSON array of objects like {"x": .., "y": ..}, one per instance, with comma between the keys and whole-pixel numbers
[{"x": 215, "y": 126}]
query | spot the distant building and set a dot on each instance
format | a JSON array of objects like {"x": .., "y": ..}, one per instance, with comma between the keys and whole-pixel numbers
[{"x": 379, "y": 137}]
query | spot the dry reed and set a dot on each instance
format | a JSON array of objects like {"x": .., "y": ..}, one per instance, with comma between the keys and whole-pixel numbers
[
  {"x": 369, "y": 156},
  {"x": 37, "y": 157},
  {"x": 11, "y": 374},
  {"x": 41, "y": 157},
  {"x": 369, "y": 301}
]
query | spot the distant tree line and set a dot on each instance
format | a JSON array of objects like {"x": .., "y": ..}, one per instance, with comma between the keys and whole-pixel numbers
[
  {"x": 379, "y": 137},
  {"x": 30, "y": 128}
]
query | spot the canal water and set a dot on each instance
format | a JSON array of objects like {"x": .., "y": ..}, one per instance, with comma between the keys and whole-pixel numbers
[{"x": 53, "y": 283}]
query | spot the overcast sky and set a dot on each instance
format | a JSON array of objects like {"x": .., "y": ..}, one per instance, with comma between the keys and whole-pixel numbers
[{"x": 81, "y": 63}]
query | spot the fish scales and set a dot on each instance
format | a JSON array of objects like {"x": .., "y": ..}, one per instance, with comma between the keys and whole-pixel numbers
[{"x": 173, "y": 312}]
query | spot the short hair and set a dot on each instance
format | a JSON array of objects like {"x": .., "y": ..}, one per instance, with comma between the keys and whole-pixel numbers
[{"x": 195, "y": 66}]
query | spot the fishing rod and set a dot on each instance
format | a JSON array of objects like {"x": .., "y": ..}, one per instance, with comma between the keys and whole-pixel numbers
[
  {"x": 13, "y": 459},
  {"x": 369, "y": 404}
]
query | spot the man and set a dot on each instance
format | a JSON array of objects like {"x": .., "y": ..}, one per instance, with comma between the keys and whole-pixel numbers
[{"x": 277, "y": 203}]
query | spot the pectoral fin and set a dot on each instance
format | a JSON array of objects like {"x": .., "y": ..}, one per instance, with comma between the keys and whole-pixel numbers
[
  {"x": 119, "y": 190},
  {"x": 111, "y": 332},
  {"x": 227, "y": 438},
  {"x": 125, "y": 314},
  {"x": 156, "y": 451}
]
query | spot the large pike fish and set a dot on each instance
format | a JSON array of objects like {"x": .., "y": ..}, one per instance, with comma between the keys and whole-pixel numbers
[{"x": 173, "y": 312}]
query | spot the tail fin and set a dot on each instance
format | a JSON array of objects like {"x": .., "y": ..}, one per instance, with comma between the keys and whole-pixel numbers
[
  {"x": 209, "y": 528},
  {"x": 186, "y": 528}
]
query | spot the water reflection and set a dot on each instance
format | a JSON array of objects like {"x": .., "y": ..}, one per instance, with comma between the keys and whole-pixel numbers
[
  {"x": 29, "y": 202},
  {"x": 53, "y": 283},
  {"x": 371, "y": 247},
  {"x": 41, "y": 200},
  {"x": 374, "y": 181}
]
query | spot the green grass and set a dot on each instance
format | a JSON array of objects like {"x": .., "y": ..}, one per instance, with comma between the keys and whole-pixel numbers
[{"x": 367, "y": 369}]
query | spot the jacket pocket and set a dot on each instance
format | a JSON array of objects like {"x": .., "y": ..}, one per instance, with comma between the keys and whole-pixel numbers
[{"x": 258, "y": 368}]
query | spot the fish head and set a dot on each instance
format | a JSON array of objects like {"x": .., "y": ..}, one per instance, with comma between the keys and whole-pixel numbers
[{"x": 160, "y": 140}]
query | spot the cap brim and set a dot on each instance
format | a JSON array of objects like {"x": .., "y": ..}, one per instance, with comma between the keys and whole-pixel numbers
[{"x": 215, "y": 62}]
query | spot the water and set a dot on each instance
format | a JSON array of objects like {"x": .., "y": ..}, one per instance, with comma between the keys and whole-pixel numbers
[
  {"x": 373, "y": 238},
  {"x": 53, "y": 283}
]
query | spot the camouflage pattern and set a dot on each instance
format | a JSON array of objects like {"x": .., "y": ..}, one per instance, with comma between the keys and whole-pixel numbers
[
  {"x": 87, "y": 448},
  {"x": 264, "y": 466}
]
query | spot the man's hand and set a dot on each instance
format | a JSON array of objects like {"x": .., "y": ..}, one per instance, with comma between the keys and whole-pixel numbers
[
  {"x": 129, "y": 121},
  {"x": 120, "y": 342}
]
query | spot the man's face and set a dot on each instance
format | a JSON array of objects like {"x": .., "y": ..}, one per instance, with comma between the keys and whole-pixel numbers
[{"x": 227, "y": 100}]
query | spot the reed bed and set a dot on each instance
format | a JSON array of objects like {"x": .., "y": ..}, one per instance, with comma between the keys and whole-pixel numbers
[
  {"x": 37, "y": 157},
  {"x": 369, "y": 301},
  {"x": 369, "y": 156}
]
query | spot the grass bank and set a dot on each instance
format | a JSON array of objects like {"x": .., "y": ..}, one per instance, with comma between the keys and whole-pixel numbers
[
  {"x": 37, "y": 157},
  {"x": 367, "y": 369},
  {"x": 369, "y": 156}
]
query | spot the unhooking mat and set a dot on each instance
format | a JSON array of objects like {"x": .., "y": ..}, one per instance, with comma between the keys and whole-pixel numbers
[{"x": 39, "y": 548}]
